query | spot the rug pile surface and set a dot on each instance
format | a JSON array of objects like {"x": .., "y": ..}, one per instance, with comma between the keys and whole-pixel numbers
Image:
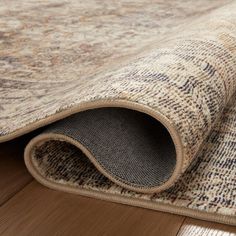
[{"x": 137, "y": 99}]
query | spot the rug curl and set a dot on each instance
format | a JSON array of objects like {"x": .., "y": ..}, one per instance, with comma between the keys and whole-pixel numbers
[{"x": 141, "y": 112}]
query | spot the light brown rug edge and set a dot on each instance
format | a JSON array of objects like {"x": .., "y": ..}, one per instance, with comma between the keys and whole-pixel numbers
[{"x": 230, "y": 220}]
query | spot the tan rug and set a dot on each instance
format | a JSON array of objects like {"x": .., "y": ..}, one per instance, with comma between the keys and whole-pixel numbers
[{"x": 141, "y": 94}]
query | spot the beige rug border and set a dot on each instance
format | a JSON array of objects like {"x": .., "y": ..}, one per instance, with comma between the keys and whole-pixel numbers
[
  {"x": 107, "y": 196},
  {"x": 110, "y": 103},
  {"x": 229, "y": 220},
  {"x": 40, "y": 139}
]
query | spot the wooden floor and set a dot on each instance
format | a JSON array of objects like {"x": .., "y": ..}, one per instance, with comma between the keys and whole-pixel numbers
[{"x": 28, "y": 208}]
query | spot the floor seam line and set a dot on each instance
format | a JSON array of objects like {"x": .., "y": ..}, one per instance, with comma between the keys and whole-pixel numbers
[
  {"x": 16, "y": 193},
  {"x": 181, "y": 225}
]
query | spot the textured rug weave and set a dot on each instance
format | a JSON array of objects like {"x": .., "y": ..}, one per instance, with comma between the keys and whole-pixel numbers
[{"x": 137, "y": 99}]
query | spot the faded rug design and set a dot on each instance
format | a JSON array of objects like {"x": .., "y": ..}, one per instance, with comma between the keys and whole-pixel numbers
[{"x": 137, "y": 99}]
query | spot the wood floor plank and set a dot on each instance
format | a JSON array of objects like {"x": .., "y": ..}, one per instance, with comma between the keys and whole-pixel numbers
[
  {"x": 13, "y": 173},
  {"x": 31, "y": 209},
  {"x": 37, "y": 210},
  {"x": 192, "y": 227}
]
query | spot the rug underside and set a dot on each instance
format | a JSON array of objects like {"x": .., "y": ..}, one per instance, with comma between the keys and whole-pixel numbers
[{"x": 138, "y": 100}]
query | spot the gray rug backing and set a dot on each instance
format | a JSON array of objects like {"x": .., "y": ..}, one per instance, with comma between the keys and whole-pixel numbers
[{"x": 131, "y": 146}]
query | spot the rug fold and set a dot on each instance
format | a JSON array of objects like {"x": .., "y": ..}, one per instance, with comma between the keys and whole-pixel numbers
[{"x": 151, "y": 127}]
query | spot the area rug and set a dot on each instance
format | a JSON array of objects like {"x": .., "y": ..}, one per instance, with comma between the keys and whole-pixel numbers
[{"x": 137, "y": 99}]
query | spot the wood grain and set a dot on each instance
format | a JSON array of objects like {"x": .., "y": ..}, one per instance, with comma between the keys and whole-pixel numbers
[
  {"x": 39, "y": 211},
  {"x": 13, "y": 173},
  {"x": 28, "y": 208},
  {"x": 193, "y": 227}
]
